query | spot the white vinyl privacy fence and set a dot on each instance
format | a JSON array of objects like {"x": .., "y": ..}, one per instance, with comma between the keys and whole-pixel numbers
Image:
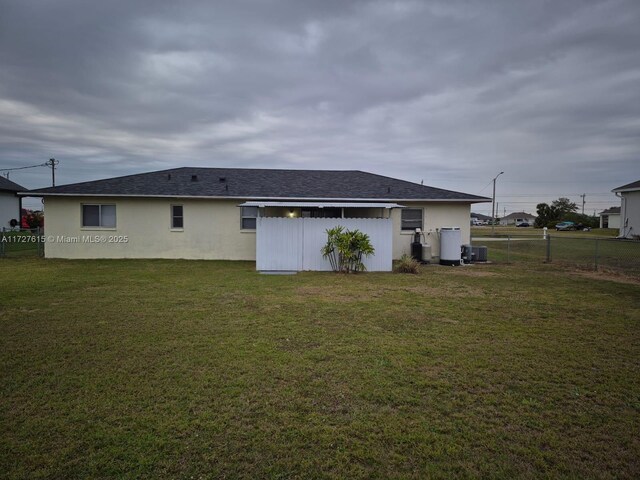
[{"x": 294, "y": 244}]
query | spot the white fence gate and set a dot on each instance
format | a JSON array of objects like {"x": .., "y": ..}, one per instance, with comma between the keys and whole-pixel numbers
[{"x": 294, "y": 244}]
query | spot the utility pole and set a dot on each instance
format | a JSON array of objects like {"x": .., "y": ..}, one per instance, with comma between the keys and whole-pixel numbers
[
  {"x": 583, "y": 195},
  {"x": 52, "y": 163},
  {"x": 493, "y": 206}
]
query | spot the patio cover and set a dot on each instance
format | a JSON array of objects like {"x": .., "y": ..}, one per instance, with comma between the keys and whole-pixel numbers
[{"x": 322, "y": 204}]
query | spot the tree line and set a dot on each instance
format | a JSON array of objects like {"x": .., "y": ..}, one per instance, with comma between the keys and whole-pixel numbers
[{"x": 562, "y": 210}]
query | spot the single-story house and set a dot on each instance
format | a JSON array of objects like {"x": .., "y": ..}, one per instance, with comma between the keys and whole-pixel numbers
[
  {"x": 629, "y": 209},
  {"x": 277, "y": 217},
  {"x": 610, "y": 218},
  {"x": 479, "y": 219},
  {"x": 10, "y": 202},
  {"x": 517, "y": 218}
]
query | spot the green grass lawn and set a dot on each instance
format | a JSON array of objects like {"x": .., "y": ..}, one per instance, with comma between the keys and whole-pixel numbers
[{"x": 189, "y": 369}]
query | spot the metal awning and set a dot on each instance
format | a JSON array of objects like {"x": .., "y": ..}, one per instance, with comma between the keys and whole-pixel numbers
[{"x": 322, "y": 204}]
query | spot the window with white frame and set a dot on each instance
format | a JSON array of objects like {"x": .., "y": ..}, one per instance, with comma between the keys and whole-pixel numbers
[
  {"x": 99, "y": 215},
  {"x": 248, "y": 218},
  {"x": 411, "y": 219},
  {"x": 177, "y": 217}
]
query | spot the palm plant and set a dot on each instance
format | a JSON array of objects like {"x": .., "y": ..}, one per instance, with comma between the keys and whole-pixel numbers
[{"x": 346, "y": 248}]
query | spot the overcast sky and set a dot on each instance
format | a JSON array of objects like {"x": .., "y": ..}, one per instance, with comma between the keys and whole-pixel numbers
[{"x": 447, "y": 92}]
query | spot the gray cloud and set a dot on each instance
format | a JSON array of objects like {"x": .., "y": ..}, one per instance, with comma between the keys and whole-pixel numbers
[{"x": 448, "y": 92}]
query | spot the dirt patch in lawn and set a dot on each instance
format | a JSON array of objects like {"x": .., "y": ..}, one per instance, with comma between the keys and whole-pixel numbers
[
  {"x": 609, "y": 275},
  {"x": 338, "y": 295},
  {"x": 475, "y": 271},
  {"x": 443, "y": 291},
  {"x": 334, "y": 294}
]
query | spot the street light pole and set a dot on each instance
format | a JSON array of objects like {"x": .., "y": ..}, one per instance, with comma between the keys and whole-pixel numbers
[{"x": 493, "y": 205}]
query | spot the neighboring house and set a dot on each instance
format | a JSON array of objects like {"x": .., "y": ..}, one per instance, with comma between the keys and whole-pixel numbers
[
  {"x": 10, "y": 203},
  {"x": 479, "y": 219},
  {"x": 610, "y": 218},
  {"x": 517, "y": 218},
  {"x": 245, "y": 214},
  {"x": 629, "y": 209}
]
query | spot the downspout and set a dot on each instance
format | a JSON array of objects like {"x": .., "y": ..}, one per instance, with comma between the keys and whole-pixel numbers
[{"x": 19, "y": 218}]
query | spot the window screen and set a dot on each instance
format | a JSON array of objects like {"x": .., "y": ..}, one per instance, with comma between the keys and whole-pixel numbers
[
  {"x": 99, "y": 216},
  {"x": 248, "y": 219},
  {"x": 411, "y": 219},
  {"x": 177, "y": 216},
  {"x": 91, "y": 215}
]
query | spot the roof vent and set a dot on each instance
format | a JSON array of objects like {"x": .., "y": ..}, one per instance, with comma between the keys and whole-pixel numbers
[
  {"x": 222, "y": 179},
  {"x": 168, "y": 176},
  {"x": 194, "y": 178},
  {"x": 388, "y": 189}
]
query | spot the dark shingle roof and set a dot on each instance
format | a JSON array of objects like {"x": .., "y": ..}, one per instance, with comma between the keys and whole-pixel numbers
[
  {"x": 515, "y": 215},
  {"x": 259, "y": 183},
  {"x": 629, "y": 186},
  {"x": 8, "y": 185},
  {"x": 612, "y": 210}
]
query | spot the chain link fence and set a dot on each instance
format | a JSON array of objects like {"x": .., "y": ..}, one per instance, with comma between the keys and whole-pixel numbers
[
  {"x": 584, "y": 252},
  {"x": 21, "y": 243}
]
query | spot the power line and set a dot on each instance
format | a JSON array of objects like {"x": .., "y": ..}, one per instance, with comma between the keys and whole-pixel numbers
[
  {"x": 6, "y": 171},
  {"x": 51, "y": 163},
  {"x": 483, "y": 188},
  {"x": 22, "y": 168},
  {"x": 553, "y": 194}
]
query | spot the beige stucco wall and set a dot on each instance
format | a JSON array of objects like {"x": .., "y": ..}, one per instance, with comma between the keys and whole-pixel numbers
[
  {"x": 434, "y": 216},
  {"x": 211, "y": 229}
]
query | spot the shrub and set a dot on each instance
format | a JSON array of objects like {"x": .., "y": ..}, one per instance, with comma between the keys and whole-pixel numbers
[
  {"x": 345, "y": 248},
  {"x": 33, "y": 219},
  {"x": 407, "y": 264}
]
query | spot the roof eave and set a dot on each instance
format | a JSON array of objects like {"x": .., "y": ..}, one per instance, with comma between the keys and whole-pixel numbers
[
  {"x": 626, "y": 190},
  {"x": 236, "y": 197}
]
